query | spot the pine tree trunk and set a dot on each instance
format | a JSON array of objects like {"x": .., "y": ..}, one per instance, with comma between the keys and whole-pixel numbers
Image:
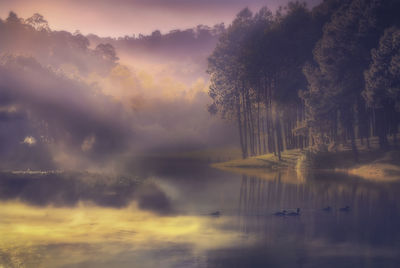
[
  {"x": 244, "y": 126},
  {"x": 244, "y": 153},
  {"x": 258, "y": 125}
]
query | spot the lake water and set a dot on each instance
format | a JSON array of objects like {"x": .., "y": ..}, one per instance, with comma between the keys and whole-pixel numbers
[{"x": 160, "y": 217}]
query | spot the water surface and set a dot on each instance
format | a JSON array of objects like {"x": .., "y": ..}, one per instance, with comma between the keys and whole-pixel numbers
[{"x": 160, "y": 217}]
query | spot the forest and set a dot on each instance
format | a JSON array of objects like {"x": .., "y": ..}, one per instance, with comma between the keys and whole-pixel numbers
[
  {"x": 315, "y": 78},
  {"x": 109, "y": 97}
]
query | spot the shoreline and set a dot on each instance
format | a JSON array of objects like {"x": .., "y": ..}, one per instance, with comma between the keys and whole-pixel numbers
[{"x": 376, "y": 165}]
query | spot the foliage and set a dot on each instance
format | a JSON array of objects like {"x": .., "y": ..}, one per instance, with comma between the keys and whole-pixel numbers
[{"x": 299, "y": 74}]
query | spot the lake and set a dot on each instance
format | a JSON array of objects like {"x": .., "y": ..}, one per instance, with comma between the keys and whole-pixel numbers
[{"x": 162, "y": 217}]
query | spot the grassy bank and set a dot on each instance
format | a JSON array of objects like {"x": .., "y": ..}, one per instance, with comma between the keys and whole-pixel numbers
[
  {"x": 372, "y": 163},
  {"x": 264, "y": 166},
  {"x": 267, "y": 161},
  {"x": 386, "y": 167}
]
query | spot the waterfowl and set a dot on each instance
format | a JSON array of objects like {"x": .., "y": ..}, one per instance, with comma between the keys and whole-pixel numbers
[
  {"x": 345, "y": 209},
  {"x": 327, "y": 209},
  {"x": 216, "y": 213},
  {"x": 280, "y": 213},
  {"x": 297, "y": 213}
]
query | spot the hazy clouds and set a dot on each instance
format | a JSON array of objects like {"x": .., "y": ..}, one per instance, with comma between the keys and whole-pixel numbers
[{"x": 127, "y": 17}]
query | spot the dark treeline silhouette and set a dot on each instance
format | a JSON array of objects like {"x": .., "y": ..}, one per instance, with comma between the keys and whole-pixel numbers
[
  {"x": 33, "y": 37},
  {"x": 187, "y": 43},
  {"x": 300, "y": 77}
]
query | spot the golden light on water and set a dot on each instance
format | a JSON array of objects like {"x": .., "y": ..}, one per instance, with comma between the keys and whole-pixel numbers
[{"x": 53, "y": 236}]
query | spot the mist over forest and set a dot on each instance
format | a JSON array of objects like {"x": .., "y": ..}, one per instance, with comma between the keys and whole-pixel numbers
[
  {"x": 297, "y": 76},
  {"x": 72, "y": 101}
]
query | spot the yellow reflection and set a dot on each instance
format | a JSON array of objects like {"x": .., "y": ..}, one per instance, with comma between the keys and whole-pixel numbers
[
  {"x": 288, "y": 175},
  {"x": 26, "y": 228}
]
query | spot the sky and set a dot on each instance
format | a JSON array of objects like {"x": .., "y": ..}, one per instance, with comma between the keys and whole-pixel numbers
[{"x": 127, "y": 17}]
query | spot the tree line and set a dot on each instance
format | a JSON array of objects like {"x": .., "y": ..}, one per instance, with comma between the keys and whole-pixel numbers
[
  {"x": 33, "y": 37},
  {"x": 198, "y": 40},
  {"x": 303, "y": 77}
]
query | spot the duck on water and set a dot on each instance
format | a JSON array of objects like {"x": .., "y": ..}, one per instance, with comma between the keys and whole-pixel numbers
[
  {"x": 280, "y": 213},
  {"x": 297, "y": 213},
  {"x": 345, "y": 209},
  {"x": 285, "y": 213},
  {"x": 327, "y": 209}
]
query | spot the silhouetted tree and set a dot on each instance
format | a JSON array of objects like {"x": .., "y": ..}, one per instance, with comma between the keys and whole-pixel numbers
[
  {"x": 342, "y": 56},
  {"x": 296, "y": 78},
  {"x": 382, "y": 91}
]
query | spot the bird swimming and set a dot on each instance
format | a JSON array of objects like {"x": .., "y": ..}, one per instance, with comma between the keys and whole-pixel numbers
[
  {"x": 216, "y": 213},
  {"x": 345, "y": 209},
  {"x": 280, "y": 213},
  {"x": 297, "y": 213},
  {"x": 327, "y": 209}
]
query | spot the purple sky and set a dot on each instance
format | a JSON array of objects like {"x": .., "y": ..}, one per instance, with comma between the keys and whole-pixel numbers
[{"x": 126, "y": 17}]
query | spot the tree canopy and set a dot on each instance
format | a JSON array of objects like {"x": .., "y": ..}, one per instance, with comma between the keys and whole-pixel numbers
[{"x": 302, "y": 77}]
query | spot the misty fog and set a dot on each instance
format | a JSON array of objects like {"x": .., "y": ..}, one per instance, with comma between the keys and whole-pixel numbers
[{"x": 69, "y": 101}]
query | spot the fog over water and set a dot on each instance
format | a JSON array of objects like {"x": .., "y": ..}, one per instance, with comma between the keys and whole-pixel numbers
[{"x": 84, "y": 220}]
